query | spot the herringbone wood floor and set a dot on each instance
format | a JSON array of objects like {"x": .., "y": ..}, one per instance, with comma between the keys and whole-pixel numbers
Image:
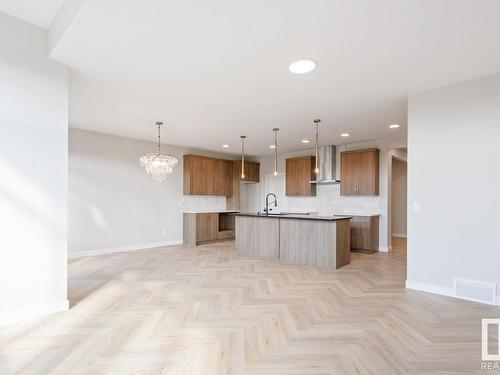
[{"x": 206, "y": 310}]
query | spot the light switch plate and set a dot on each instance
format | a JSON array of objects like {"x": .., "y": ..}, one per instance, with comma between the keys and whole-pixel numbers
[{"x": 416, "y": 207}]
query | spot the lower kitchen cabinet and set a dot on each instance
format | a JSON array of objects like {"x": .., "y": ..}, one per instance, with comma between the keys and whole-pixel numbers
[
  {"x": 364, "y": 234},
  {"x": 206, "y": 227}
]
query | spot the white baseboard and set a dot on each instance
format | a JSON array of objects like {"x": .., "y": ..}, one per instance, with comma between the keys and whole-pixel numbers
[
  {"x": 33, "y": 312},
  {"x": 121, "y": 249},
  {"x": 399, "y": 235},
  {"x": 443, "y": 291},
  {"x": 384, "y": 249}
]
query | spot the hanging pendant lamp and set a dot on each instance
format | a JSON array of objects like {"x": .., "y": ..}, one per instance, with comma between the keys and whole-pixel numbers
[
  {"x": 316, "y": 123},
  {"x": 275, "y": 130},
  {"x": 243, "y": 156}
]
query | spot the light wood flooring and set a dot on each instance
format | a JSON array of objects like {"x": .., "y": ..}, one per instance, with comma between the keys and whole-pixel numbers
[{"x": 206, "y": 310}]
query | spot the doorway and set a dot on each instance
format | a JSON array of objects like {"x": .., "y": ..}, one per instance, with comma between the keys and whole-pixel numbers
[{"x": 398, "y": 198}]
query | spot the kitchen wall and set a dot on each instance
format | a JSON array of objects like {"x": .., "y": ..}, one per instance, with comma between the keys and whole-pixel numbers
[
  {"x": 453, "y": 186},
  {"x": 114, "y": 205},
  {"x": 398, "y": 199},
  {"x": 33, "y": 170},
  {"x": 328, "y": 200}
]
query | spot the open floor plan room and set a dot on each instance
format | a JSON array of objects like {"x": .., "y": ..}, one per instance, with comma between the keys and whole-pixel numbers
[
  {"x": 207, "y": 310},
  {"x": 283, "y": 187}
]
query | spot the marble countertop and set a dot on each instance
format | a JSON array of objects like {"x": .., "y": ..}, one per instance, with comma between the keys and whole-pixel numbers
[
  {"x": 210, "y": 211},
  {"x": 358, "y": 214},
  {"x": 295, "y": 216}
]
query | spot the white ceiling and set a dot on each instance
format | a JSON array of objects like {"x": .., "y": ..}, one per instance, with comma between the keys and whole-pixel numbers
[
  {"x": 214, "y": 70},
  {"x": 38, "y": 12}
]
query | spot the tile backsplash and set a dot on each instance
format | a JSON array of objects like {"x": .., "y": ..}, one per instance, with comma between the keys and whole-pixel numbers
[
  {"x": 202, "y": 203},
  {"x": 328, "y": 201}
]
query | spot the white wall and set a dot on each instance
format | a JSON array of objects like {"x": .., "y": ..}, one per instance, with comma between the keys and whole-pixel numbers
[
  {"x": 398, "y": 198},
  {"x": 454, "y": 175},
  {"x": 114, "y": 205},
  {"x": 328, "y": 200},
  {"x": 33, "y": 174}
]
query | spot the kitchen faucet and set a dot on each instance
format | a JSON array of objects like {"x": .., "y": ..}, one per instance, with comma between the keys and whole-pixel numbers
[{"x": 266, "y": 210}]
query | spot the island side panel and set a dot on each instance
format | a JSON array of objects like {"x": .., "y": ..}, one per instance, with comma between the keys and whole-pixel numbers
[
  {"x": 308, "y": 242},
  {"x": 343, "y": 243},
  {"x": 257, "y": 236}
]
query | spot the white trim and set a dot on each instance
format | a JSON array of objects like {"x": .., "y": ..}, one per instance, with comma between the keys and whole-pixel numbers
[
  {"x": 33, "y": 312},
  {"x": 399, "y": 235},
  {"x": 384, "y": 249},
  {"x": 121, "y": 249},
  {"x": 429, "y": 288}
]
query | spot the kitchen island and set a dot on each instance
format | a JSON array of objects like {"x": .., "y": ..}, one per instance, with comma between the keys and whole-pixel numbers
[{"x": 322, "y": 241}]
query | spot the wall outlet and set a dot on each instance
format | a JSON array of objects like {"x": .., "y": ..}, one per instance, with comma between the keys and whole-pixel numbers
[{"x": 417, "y": 207}]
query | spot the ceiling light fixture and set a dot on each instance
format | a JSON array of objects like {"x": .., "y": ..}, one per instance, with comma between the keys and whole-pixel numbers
[
  {"x": 345, "y": 135},
  {"x": 272, "y": 146},
  {"x": 158, "y": 165},
  {"x": 394, "y": 126},
  {"x": 225, "y": 146},
  {"x": 275, "y": 130},
  {"x": 302, "y": 66},
  {"x": 305, "y": 141},
  {"x": 243, "y": 156},
  {"x": 316, "y": 124}
]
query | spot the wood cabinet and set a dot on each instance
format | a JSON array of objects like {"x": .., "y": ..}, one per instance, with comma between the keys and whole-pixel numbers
[
  {"x": 359, "y": 171},
  {"x": 207, "y": 176},
  {"x": 364, "y": 234},
  {"x": 252, "y": 171},
  {"x": 200, "y": 228},
  {"x": 207, "y": 227},
  {"x": 299, "y": 171}
]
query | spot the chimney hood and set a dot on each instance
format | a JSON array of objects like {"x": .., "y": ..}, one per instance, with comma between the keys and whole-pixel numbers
[{"x": 327, "y": 166}]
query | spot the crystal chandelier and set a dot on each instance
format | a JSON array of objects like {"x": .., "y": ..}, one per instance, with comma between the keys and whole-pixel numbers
[{"x": 158, "y": 165}]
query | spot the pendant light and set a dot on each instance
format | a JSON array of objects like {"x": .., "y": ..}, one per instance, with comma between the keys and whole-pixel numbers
[
  {"x": 243, "y": 156},
  {"x": 275, "y": 130},
  {"x": 158, "y": 165},
  {"x": 316, "y": 123}
]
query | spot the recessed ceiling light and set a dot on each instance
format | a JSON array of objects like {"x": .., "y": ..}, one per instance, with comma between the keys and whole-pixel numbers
[
  {"x": 394, "y": 126},
  {"x": 345, "y": 135},
  {"x": 305, "y": 141},
  {"x": 272, "y": 146},
  {"x": 302, "y": 66},
  {"x": 225, "y": 146}
]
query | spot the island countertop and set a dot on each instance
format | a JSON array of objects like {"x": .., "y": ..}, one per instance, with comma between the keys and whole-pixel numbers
[{"x": 295, "y": 216}]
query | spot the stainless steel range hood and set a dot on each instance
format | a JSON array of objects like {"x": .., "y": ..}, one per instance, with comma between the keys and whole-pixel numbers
[{"x": 327, "y": 166}]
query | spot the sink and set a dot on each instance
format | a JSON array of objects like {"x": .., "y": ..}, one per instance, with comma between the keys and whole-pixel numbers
[
  {"x": 271, "y": 213},
  {"x": 284, "y": 213}
]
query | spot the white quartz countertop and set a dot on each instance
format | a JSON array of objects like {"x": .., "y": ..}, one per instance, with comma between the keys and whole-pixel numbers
[
  {"x": 355, "y": 214},
  {"x": 210, "y": 211}
]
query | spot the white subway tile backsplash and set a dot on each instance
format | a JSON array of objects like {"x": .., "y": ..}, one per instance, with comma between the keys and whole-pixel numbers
[
  {"x": 328, "y": 201},
  {"x": 202, "y": 203}
]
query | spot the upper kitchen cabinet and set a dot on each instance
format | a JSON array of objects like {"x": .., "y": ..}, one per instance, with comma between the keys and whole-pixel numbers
[
  {"x": 207, "y": 176},
  {"x": 252, "y": 171},
  {"x": 299, "y": 172},
  {"x": 359, "y": 171}
]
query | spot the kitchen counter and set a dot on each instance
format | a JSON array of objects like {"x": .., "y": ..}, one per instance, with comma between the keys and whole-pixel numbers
[
  {"x": 353, "y": 214},
  {"x": 323, "y": 241},
  {"x": 211, "y": 212},
  {"x": 294, "y": 216}
]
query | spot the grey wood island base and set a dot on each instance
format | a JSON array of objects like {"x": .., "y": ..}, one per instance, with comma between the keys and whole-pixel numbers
[{"x": 323, "y": 241}]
